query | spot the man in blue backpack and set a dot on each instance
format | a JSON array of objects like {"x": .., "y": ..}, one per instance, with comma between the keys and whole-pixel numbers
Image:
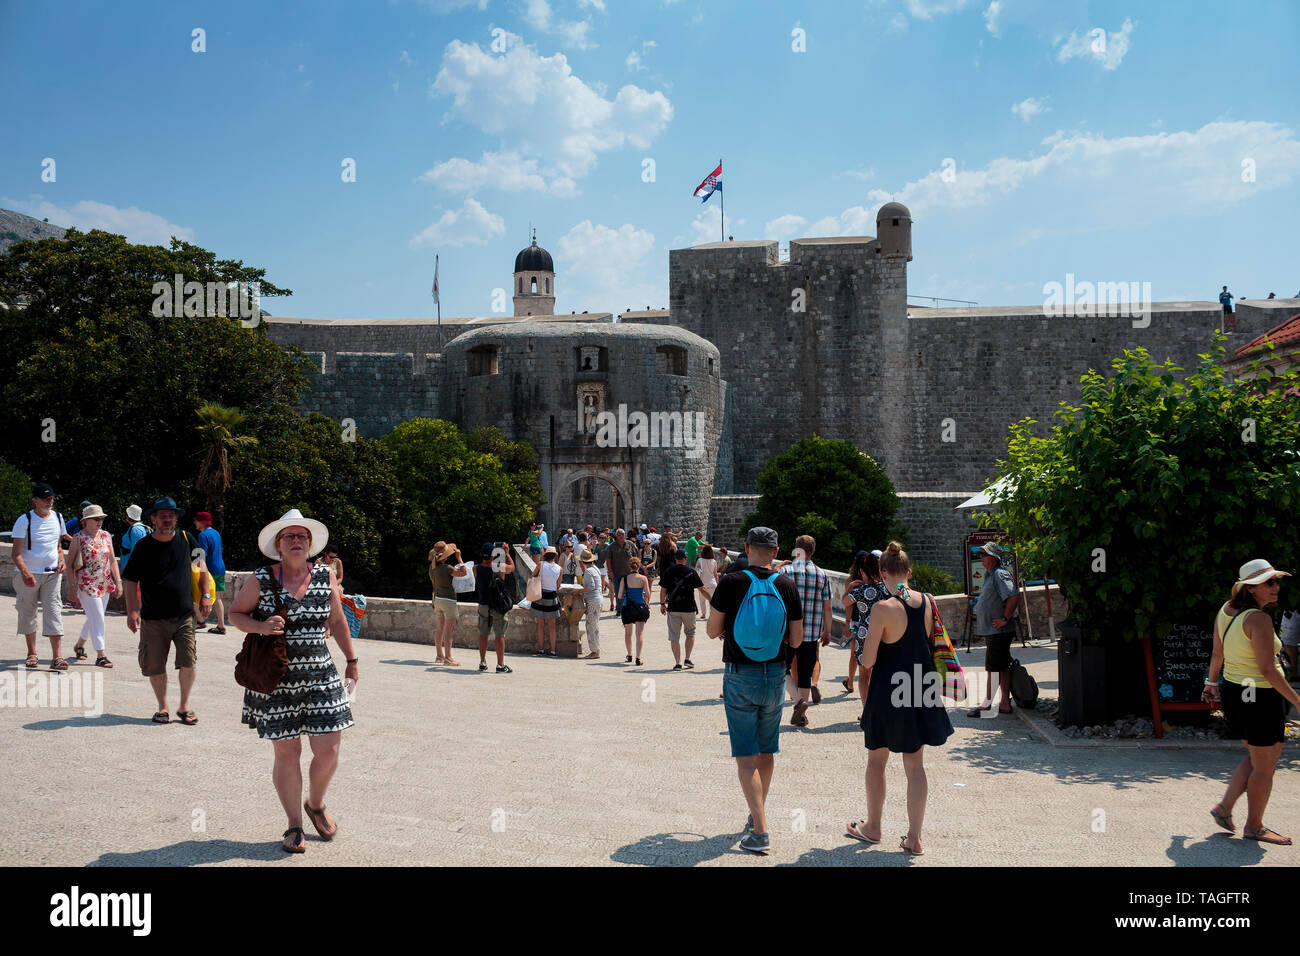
[{"x": 755, "y": 612}]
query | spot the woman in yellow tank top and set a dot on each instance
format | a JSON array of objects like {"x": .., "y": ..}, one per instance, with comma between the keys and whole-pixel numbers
[{"x": 1254, "y": 694}]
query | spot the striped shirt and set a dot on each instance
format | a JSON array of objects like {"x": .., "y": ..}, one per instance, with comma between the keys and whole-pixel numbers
[{"x": 814, "y": 589}]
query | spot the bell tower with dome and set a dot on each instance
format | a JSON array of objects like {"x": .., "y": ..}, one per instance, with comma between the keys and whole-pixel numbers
[{"x": 534, "y": 281}]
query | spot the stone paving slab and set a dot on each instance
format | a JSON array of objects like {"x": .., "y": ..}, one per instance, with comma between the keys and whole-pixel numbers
[{"x": 577, "y": 763}]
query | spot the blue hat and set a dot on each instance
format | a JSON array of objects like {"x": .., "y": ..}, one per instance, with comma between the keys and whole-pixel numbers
[{"x": 164, "y": 504}]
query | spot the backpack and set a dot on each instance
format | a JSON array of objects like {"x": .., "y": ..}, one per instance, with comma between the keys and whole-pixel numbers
[
  {"x": 1024, "y": 689},
  {"x": 760, "y": 624},
  {"x": 501, "y": 596},
  {"x": 62, "y": 526}
]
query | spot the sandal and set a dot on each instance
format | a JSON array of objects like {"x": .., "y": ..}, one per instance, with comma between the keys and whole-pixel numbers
[
  {"x": 975, "y": 711},
  {"x": 81, "y": 652},
  {"x": 902, "y": 842},
  {"x": 321, "y": 821},
  {"x": 33, "y": 662},
  {"x": 1262, "y": 835},
  {"x": 103, "y": 662},
  {"x": 1223, "y": 819},
  {"x": 59, "y": 664},
  {"x": 848, "y": 687},
  {"x": 187, "y": 717},
  {"x": 166, "y": 717},
  {"x": 854, "y": 830},
  {"x": 300, "y": 846}
]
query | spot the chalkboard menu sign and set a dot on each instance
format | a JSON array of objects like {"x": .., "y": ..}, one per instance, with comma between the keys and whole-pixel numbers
[{"x": 1181, "y": 661}]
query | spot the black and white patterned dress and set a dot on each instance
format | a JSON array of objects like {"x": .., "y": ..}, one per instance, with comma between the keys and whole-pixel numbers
[{"x": 310, "y": 698}]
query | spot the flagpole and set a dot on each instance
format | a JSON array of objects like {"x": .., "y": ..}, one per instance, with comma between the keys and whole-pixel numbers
[
  {"x": 438, "y": 300},
  {"x": 724, "y": 205}
]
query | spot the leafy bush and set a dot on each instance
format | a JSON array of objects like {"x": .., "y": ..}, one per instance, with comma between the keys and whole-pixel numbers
[
  {"x": 830, "y": 490},
  {"x": 1146, "y": 497},
  {"x": 15, "y": 495},
  {"x": 932, "y": 580}
]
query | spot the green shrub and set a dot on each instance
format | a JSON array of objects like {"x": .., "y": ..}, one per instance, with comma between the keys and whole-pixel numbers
[
  {"x": 932, "y": 580},
  {"x": 15, "y": 495}
]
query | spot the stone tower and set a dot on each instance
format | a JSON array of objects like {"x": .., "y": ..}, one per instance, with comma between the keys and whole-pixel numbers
[
  {"x": 534, "y": 281},
  {"x": 894, "y": 230}
]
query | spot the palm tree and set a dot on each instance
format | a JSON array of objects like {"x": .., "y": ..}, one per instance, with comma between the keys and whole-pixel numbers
[{"x": 217, "y": 426}]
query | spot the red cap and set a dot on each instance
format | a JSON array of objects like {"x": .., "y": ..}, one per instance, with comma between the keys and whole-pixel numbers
[{"x": 203, "y": 516}]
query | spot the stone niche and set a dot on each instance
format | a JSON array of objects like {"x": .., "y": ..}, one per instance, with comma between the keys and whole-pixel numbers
[{"x": 591, "y": 402}]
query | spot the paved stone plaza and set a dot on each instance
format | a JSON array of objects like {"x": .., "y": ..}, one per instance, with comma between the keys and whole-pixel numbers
[{"x": 583, "y": 763}]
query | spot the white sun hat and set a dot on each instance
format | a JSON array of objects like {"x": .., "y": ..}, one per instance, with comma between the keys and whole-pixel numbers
[{"x": 320, "y": 535}]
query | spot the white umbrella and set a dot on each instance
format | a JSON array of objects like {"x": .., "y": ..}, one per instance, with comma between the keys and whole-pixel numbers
[{"x": 984, "y": 499}]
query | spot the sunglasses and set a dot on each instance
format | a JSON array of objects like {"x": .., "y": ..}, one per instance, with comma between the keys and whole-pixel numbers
[{"x": 295, "y": 537}]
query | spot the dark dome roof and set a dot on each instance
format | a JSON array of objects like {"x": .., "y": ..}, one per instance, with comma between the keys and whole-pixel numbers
[{"x": 534, "y": 259}]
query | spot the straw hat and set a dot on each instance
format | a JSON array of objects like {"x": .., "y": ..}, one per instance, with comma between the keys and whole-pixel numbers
[
  {"x": 92, "y": 511},
  {"x": 134, "y": 513},
  {"x": 319, "y": 533},
  {"x": 1256, "y": 572},
  {"x": 587, "y": 557},
  {"x": 449, "y": 548}
]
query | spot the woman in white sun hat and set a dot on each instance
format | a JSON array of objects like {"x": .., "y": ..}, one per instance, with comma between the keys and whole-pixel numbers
[
  {"x": 1253, "y": 696},
  {"x": 96, "y": 576},
  {"x": 300, "y": 599}
]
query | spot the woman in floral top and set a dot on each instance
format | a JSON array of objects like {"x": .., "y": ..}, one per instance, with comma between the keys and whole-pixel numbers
[
  {"x": 865, "y": 589},
  {"x": 96, "y": 579}
]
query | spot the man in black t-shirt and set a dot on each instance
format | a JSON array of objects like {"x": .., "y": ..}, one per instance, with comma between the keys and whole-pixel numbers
[
  {"x": 677, "y": 586},
  {"x": 489, "y": 618},
  {"x": 753, "y": 691},
  {"x": 161, "y": 609}
]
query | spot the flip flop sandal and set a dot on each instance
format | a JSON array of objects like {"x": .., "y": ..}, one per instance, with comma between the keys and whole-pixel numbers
[
  {"x": 81, "y": 653},
  {"x": 187, "y": 717},
  {"x": 103, "y": 662},
  {"x": 1223, "y": 819},
  {"x": 59, "y": 664},
  {"x": 298, "y": 847},
  {"x": 902, "y": 842},
  {"x": 320, "y": 821},
  {"x": 1261, "y": 835},
  {"x": 853, "y": 831},
  {"x": 848, "y": 688},
  {"x": 166, "y": 718},
  {"x": 33, "y": 662}
]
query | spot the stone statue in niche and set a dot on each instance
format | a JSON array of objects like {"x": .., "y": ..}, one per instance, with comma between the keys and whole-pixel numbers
[{"x": 591, "y": 402}]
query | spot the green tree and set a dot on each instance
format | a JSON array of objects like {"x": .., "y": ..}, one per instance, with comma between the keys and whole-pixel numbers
[
  {"x": 1145, "y": 498},
  {"x": 217, "y": 427},
  {"x": 451, "y": 489},
  {"x": 828, "y": 489},
  {"x": 302, "y": 462},
  {"x": 99, "y": 392},
  {"x": 15, "y": 495}
]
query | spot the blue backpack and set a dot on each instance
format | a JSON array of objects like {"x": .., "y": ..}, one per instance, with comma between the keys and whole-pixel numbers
[{"x": 759, "y": 627}]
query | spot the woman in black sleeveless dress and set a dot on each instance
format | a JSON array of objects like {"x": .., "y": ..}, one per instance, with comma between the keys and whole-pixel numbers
[{"x": 904, "y": 711}]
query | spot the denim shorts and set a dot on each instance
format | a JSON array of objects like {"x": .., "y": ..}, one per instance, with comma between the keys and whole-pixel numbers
[{"x": 752, "y": 695}]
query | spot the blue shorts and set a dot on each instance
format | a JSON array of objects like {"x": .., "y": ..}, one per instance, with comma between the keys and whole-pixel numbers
[{"x": 752, "y": 695}]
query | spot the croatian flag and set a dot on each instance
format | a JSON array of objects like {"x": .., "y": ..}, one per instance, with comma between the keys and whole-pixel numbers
[{"x": 711, "y": 182}]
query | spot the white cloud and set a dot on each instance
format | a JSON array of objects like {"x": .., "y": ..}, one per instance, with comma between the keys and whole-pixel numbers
[
  {"x": 550, "y": 113},
  {"x": 706, "y": 226},
  {"x": 783, "y": 228},
  {"x": 573, "y": 33},
  {"x": 597, "y": 4},
  {"x": 1108, "y": 49},
  {"x": 507, "y": 171},
  {"x": 929, "y": 9},
  {"x": 469, "y": 225},
  {"x": 447, "y": 6},
  {"x": 610, "y": 270},
  {"x": 633, "y": 60},
  {"x": 862, "y": 174},
  {"x": 854, "y": 221},
  {"x": 1029, "y": 107},
  {"x": 138, "y": 225},
  {"x": 991, "y": 17},
  {"x": 1147, "y": 177},
  {"x": 405, "y": 59}
]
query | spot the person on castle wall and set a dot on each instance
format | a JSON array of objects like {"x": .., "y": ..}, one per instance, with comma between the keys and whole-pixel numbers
[
  {"x": 1225, "y": 299},
  {"x": 445, "y": 566},
  {"x": 634, "y": 606},
  {"x": 995, "y": 613},
  {"x": 1253, "y": 695},
  {"x": 547, "y": 610}
]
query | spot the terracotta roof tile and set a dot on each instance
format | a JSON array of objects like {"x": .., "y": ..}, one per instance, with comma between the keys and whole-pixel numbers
[{"x": 1288, "y": 333}]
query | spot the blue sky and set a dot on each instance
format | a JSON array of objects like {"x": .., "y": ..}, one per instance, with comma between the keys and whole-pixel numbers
[{"x": 1119, "y": 141}]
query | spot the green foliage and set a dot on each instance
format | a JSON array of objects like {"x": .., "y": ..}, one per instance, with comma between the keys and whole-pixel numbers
[
  {"x": 467, "y": 488},
  {"x": 15, "y": 495},
  {"x": 827, "y": 489},
  {"x": 79, "y": 345},
  {"x": 1168, "y": 478},
  {"x": 301, "y": 462},
  {"x": 932, "y": 580}
]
